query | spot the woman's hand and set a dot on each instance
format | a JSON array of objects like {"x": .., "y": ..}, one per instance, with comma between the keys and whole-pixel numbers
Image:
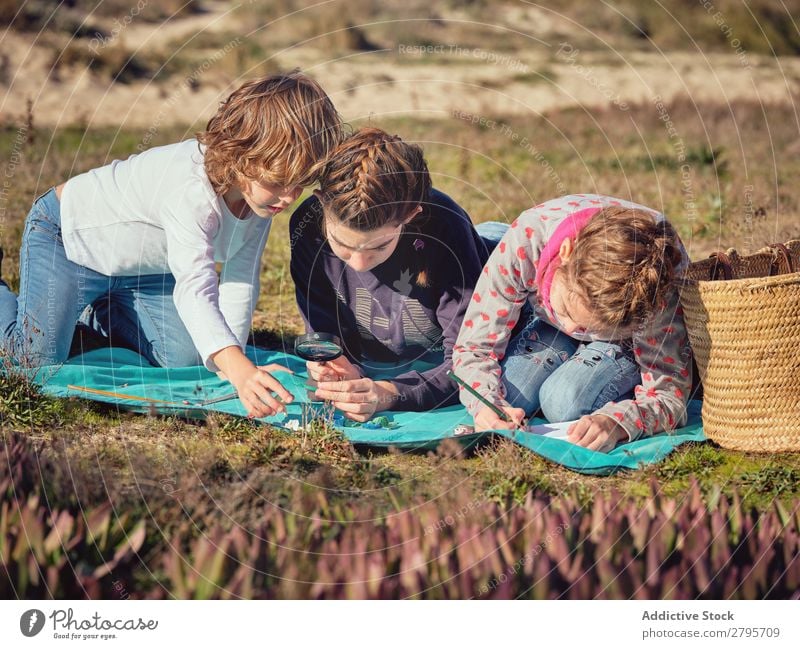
[
  {"x": 339, "y": 369},
  {"x": 487, "y": 419},
  {"x": 597, "y": 433},
  {"x": 335, "y": 370},
  {"x": 359, "y": 399},
  {"x": 256, "y": 388}
]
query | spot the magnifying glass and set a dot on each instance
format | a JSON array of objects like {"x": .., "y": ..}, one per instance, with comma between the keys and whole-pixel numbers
[{"x": 318, "y": 347}]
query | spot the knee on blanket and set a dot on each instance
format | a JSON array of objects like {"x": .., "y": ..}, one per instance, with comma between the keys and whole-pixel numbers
[{"x": 178, "y": 357}]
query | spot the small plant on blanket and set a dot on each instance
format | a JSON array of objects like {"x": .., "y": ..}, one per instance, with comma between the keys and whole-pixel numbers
[{"x": 318, "y": 427}]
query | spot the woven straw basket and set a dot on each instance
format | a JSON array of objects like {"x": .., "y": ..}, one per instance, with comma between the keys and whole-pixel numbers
[{"x": 743, "y": 319}]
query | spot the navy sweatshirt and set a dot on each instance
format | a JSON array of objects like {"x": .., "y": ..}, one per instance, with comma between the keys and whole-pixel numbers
[{"x": 383, "y": 314}]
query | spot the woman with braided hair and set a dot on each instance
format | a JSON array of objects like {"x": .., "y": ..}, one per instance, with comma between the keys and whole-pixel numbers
[
  {"x": 606, "y": 343},
  {"x": 388, "y": 264}
]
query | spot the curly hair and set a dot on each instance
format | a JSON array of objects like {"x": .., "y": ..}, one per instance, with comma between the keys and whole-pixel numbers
[
  {"x": 622, "y": 264},
  {"x": 278, "y": 130}
]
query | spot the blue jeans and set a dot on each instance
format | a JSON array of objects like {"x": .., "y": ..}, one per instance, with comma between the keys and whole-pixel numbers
[
  {"x": 491, "y": 232},
  {"x": 136, "y": 312},
  {"x": 546, "y": 369}
]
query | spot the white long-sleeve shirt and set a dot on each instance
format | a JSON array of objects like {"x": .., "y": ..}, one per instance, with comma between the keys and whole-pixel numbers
[{"x": 157, "y": 213}]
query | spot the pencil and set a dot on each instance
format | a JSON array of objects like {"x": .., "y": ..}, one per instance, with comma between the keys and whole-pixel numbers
[
  {"x": 225, "y": 397},
  {"x": 480, "y": 398},
  {"x": 220, "y": 399}
]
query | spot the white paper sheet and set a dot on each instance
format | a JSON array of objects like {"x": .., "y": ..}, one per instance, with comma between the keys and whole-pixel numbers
[{"x": 557, "y": 430}]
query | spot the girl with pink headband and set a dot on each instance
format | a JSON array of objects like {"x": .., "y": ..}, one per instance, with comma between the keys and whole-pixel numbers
[{"x": 576, "y": 314}]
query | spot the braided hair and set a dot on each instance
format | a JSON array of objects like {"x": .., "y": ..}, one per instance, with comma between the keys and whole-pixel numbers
[{"x": 374, "y": 180}]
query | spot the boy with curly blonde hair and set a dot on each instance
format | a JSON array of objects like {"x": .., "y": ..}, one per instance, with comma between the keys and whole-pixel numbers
[{"x": 137, "y": 241}]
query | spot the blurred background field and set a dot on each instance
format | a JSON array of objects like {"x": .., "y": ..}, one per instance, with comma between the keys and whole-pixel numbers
[{"x": 690, "y": 107}]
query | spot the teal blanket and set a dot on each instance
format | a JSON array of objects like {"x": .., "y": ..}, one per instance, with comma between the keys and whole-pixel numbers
[{"x": 124, "y": 378}]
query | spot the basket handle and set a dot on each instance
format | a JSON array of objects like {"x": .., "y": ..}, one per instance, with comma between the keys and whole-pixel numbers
[
  {"x": 780, "y": 251},
  {"x": 723, "y": 263}
]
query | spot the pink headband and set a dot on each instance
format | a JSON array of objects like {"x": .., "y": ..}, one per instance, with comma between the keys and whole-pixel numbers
[{"x": 549, "y": 260}]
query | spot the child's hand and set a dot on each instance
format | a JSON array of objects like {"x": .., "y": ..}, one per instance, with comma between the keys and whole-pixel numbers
[
  {"x": 335, "y": 370},
  {"x": 597, "y": 433},
  {"x": 487, "y": 419},
  {"x": 256, "y": 389},
  {"x": 359, "y": 399}
]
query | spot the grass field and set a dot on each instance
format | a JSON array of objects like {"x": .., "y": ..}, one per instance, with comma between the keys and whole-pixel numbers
[{"x": 725, "y": 176}]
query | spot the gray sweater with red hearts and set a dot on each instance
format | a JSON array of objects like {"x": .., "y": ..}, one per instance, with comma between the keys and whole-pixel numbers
[{"x": 509, "y": 280}]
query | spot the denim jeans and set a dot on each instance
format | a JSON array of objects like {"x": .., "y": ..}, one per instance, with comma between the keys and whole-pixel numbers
[
  {"x": 546, "y": 369},
  {"x": 491, "y": 232},
  {"x": 136, "y": 312}
]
